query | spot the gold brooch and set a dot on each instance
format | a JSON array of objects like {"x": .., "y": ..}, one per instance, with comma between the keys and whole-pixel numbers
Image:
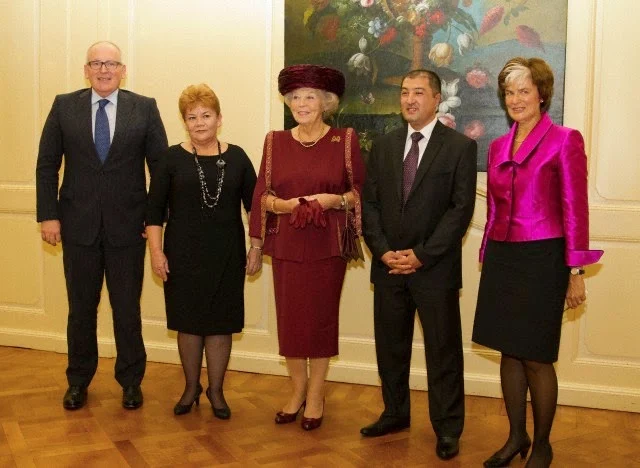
[{"x": 335, "y": 139}]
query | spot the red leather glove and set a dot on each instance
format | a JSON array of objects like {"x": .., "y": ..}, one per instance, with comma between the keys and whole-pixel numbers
[
  {"x": 301, "y": 215},
  {"x": 317, "y": 213}
]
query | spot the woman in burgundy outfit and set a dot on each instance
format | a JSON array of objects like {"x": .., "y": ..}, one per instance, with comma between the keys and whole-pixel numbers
[{"x": 303, "y": 190}]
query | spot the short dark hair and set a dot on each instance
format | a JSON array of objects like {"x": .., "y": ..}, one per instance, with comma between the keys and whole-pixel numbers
[
  {"x": 434, "y": 79},
  {"x": 535, "y": 68}
]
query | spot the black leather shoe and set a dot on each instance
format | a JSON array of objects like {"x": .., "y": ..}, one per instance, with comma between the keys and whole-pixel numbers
[
  {"x": 384, "y": 426},
  {"x": 75, "y": 397},
  {"x": 447, "y": 447},
  {"x": 132, "y": 397}
]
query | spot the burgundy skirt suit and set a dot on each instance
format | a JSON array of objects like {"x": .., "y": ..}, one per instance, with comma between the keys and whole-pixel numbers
[{"x": 308, "y": 270}]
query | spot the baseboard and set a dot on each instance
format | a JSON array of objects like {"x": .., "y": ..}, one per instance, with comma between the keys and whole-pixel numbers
[{"x": 478, "y": 384}]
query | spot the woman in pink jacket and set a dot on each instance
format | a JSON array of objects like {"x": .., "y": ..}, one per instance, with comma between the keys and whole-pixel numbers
[{"x": 535, "y": 245}]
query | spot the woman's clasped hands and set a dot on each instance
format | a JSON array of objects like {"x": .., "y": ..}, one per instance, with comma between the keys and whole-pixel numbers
[{"x": 307, "y": 212}]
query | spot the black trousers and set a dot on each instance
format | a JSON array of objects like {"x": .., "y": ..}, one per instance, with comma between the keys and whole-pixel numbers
[
  {"x": 85, "y": 268},
  {"x": 439, "y": 313}
]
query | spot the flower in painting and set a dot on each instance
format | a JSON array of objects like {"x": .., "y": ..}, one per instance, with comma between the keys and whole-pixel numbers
[
  {"x": 360, "y": 63},
  {"x": 423, "y": 7},
  {"x": 376, "y": 27},
  {"x": 366, "y": 3},
  {"x": 388, "y": 36},
  {"x": 449, "y": 99},
  {"x": 441, "y": 54},
  {"x": 474, "y": 129},
  {"x": 319, "y": 5},
  {"x": 421, "y": 29},
  {"x": 362, "y": 44},
  {"x": 529, "y": 37},
  {"x": 368, "y": 98},
  {"x": 465, "y": 43},
  {"x": 477, "y": 78},
  {"x": 437, "y": 17},
  {"x": 447, "y": 119},
  {"x": 328, "y": 27}
]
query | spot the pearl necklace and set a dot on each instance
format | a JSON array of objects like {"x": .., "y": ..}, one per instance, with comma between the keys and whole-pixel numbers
[
  {"x": 309, "y": 145},
  {"x": 206, "y": 200}
]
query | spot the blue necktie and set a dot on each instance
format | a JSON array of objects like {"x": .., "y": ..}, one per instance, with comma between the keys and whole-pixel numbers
[{"x": 102, "y": 135}]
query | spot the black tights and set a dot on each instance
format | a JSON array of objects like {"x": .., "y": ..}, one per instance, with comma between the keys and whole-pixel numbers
[
  {"x": 517, "y": 376},
  {"x": 217, "y": 348}
]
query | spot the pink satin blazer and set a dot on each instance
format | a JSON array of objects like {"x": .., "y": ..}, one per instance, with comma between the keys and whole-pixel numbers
[{"x": 541, "y": 192}]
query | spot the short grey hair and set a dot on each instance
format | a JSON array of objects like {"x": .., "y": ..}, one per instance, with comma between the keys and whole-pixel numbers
[{"x": 112, "y": 44}]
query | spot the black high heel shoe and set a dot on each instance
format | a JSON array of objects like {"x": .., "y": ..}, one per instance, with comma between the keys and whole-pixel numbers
[
  {"x": 220, "y": 413},
  {"x": 179, "y": 409},
  {"x": 497, "y": 461}
]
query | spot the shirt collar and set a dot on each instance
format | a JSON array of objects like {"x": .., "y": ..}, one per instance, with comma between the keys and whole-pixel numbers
[
  {"x": 426, "y": 131},
  {"x": 113, "y": 97}
]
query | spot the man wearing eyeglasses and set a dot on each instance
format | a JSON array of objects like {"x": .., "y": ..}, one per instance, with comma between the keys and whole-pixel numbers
[{"x": 105, "y": 135}]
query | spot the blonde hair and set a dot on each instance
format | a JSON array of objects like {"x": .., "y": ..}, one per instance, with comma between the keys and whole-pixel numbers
[
  {"x": 198, "y": 94},
  {"x": 330, "y": 101}
]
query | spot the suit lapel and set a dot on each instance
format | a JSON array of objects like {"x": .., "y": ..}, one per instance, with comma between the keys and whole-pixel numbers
[
  {"x": 532, "y": 140},
  {"x": 123, "y": 115},
  {"x": 430, "y": 152},
  {"x": 85, "y": 121},
  {"x": 397, "y": 149}
]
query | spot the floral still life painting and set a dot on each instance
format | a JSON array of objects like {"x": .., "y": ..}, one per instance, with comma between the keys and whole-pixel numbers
[{"x": 375, "y": 42}]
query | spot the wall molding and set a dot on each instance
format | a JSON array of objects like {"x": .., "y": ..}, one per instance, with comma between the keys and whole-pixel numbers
[{"x": 341, "y": 370}]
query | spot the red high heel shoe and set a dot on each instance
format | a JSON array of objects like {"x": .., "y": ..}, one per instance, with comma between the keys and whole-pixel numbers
[
  {"x": 286, "y": 418},
  {"x": 309, "y": 424}
]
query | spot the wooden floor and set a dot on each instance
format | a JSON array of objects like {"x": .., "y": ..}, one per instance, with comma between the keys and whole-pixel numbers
[{"x": 36, "y": 431}]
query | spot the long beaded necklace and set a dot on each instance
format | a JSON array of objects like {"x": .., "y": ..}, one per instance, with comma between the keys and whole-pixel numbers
[{"x": 206, "y": 200}]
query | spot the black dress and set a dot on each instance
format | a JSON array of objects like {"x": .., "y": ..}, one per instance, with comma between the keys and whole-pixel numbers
[{"x": 205, "y": 249}]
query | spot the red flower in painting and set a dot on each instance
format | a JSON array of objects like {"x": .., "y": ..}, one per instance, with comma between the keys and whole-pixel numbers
[
  {"x": 421, "y": 29},
  {"x": 437, "y": 17},
  {"x": 328, "y": 27},
  {"x": 491, "y": 19},
  {"x": 529, "y": 36},
  {"x": 477, "y": 78},
  {"x": 474, "y": 129},
  {"x": 388, "y": 36}
]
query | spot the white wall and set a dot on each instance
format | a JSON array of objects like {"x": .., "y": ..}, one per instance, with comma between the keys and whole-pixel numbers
[{"x": 237, "y": 48}]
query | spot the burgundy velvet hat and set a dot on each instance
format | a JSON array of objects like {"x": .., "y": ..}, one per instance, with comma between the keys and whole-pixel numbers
[{"x": 310, "y": 76}]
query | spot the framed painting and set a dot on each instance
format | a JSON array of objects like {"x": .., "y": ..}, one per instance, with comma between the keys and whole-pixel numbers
[{"x": 467, "y": 42}]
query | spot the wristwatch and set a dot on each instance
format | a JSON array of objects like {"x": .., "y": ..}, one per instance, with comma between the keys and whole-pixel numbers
[{"x": 576, "y": 271}]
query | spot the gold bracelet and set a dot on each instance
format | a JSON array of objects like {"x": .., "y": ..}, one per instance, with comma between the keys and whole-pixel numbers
[{"x": 273, "y": 205}]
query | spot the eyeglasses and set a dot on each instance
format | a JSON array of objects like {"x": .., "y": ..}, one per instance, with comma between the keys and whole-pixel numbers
[{"x": 110, "y": 65}]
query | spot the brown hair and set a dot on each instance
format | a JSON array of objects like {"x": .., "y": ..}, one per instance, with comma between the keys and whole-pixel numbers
[
  {"x": 434, "y": 79},
  {"x": 538, "y": 70},
  {"x": 198, "y": 94}
]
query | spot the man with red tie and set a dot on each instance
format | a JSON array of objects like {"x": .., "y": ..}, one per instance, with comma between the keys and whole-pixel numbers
[{"x": 418, "y": 200}]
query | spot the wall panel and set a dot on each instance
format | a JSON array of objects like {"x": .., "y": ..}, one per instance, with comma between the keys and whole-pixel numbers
[{"x": 237, "y": 48}]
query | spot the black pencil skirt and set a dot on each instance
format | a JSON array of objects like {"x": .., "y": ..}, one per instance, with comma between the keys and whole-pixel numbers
[{"x": 521, "y": 298}]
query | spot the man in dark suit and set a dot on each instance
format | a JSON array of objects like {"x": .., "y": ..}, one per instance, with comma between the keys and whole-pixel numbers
[
  {"x": 418, "y": 200},
  {"x": 105, "y": 134}
]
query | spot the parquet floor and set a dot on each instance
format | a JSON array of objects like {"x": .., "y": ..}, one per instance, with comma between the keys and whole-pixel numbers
[{"x": 35, "y": 431}]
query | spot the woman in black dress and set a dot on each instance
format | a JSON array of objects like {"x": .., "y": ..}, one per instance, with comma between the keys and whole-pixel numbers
[{"x": 202, "y": 182}]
